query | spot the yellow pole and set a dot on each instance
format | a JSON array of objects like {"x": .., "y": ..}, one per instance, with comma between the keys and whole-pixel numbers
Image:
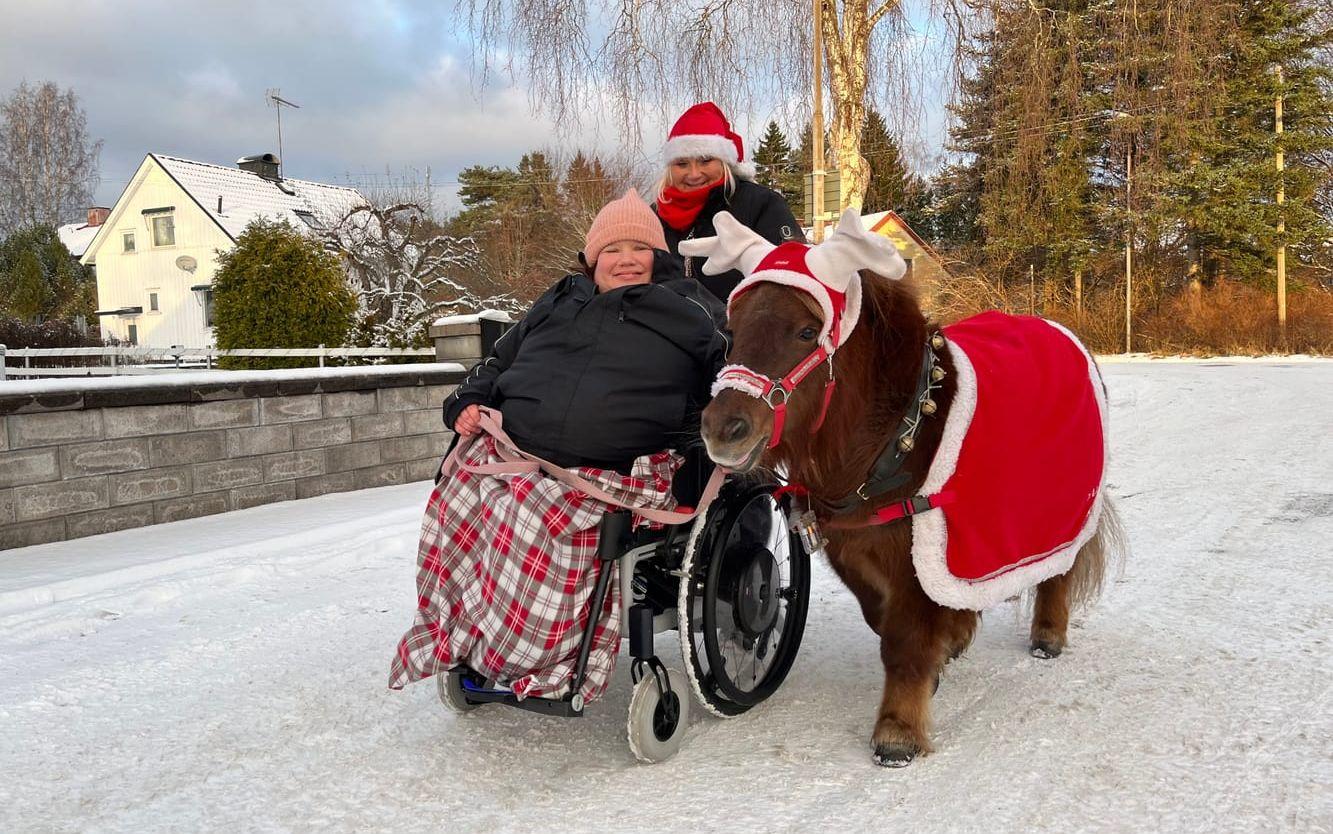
[
  {"x": 1281, "y": 220},
  {"x": 817, "y": 129}
]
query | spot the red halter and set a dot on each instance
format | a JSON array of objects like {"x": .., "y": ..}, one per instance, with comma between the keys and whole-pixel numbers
[{"x": 765, "y": 388}]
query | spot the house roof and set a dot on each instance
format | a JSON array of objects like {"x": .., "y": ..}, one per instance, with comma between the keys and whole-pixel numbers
[
  {"x": 889, "y": 222},
  {"x": 247, "y": 196},
  {"x": 77, "y": 236}
]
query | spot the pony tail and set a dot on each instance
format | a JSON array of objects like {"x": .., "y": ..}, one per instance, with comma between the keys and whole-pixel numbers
[{"x": 1106, "y": 550}]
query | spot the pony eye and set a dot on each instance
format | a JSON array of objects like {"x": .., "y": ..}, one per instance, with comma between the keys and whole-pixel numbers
[{"x": 807, "y": 334}]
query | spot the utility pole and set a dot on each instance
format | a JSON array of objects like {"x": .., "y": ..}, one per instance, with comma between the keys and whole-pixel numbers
[
  {"x": 817, "y": 129},
  {"x": 1129, "y": 256},
  {"x": 1281, "y": 219}
]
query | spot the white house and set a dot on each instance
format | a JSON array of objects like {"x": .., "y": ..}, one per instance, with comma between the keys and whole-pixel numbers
[{"x": 156, "y": 252}]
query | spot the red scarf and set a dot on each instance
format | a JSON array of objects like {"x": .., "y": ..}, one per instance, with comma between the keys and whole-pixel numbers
[{"x": 679, "y": 208}]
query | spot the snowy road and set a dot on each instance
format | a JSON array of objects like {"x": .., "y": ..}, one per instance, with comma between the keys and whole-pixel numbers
[{"x": 228, "y": 673}]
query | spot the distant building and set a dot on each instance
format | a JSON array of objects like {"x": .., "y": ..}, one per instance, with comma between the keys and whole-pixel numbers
[
  {"x": 156, "y": 250},
  {"x": 923, "y": 263}
]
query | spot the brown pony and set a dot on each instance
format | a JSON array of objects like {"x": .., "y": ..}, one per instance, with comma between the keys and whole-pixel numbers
[{"x": 877, "y": 372}]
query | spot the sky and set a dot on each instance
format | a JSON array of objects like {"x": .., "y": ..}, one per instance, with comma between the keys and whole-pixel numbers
[{"x": 383, "y": 86}]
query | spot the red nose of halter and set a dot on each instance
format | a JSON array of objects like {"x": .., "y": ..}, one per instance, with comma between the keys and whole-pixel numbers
[{"x": 766, "y": 388}]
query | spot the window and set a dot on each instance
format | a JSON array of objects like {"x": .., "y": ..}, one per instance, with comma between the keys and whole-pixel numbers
[
  {"x": 164, "y": 230},
  {"x": 208, "y": 308},
  {"x": 133, "y": 335},
  {"x": 127, "y": 242},
  {"x": 309, "y": 219},
  {"x": 152, "y": 303}
]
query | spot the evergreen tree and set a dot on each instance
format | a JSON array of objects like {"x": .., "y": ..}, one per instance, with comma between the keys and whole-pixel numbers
[
  {"x": 39, "y": 277},
  {"x": 1221, "y": 188},
  {"x": 25, "y": 292},
  {"x": 892, "y": 186},
  {"x": 279, "y": 288},
  {"x": 777, "y": 168}
]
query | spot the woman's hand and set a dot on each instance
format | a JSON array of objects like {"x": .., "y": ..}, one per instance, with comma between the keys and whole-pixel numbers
[{"x": 469, "y": 421}]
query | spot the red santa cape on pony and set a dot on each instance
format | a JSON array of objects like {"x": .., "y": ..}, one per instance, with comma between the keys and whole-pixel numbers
[{"x": 1022, "y": 462}]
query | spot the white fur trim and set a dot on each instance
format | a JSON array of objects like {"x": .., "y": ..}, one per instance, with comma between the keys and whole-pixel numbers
[
  {"x": 740, "y": 378},
  {"x": 693, "y": 146},
  {"x": 930, "y": 531}
]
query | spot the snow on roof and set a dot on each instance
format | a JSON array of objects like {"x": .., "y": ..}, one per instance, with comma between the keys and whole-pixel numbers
[
  {"x": 247, "y": 196},
  {"x": 77, "y": 236}
]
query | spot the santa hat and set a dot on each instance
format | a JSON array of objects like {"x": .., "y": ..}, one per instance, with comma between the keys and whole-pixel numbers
[
  {"x": 703, "y": 130},
  {"x": 829, "y": 272}
]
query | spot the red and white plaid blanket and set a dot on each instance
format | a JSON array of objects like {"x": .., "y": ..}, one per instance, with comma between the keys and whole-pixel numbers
[{"x": 506, "y": 566}]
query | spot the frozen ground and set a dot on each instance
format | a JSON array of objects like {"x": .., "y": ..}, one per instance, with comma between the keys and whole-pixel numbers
[{"x": 228, "y": 673}]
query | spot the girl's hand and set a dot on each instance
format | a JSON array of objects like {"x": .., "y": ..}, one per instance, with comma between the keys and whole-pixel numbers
[{"x": 469, "y": 421}]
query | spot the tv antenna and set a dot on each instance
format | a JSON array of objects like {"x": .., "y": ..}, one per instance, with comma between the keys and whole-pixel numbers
[{"x": 275, "y": 100}]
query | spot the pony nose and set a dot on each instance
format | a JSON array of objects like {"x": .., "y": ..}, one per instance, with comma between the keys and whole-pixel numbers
[{"x": 735, "y": 429}]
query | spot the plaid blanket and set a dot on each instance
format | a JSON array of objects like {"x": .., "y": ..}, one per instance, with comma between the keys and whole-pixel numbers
[{"x": 506, "y": 566}]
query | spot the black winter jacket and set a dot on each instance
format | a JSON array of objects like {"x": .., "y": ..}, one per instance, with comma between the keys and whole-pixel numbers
[
  {"x": 598, "y": 379},
  {"x": 756, "y": 207}
]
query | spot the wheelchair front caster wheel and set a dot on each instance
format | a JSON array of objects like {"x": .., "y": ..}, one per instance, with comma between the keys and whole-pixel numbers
[{"x": 657, "y": 721}]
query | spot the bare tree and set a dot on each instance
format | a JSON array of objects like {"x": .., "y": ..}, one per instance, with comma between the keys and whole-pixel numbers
[
  {"x": 406, "y": 273},
  {"x": 585, "y": 55},
  {"x": 48, "y": 165}
]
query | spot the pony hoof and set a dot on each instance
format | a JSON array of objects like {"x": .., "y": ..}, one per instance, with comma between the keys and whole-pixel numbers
[
  {"x": 1045, "y": 649},
  {"x": 894, "y": 755}
]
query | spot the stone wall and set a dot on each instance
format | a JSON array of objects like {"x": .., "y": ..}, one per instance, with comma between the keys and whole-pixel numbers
[{"x": 90, "y": 458}]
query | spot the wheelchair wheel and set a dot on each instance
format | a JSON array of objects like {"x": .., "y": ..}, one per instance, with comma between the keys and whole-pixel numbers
[
  {"x": 656, "y": 726},
  {"x": 743, "y": 600},
  {"x": 451, "y": 692}
]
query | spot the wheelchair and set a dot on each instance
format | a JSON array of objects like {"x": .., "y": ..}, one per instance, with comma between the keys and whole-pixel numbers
[{"x": 734, "y": 583}]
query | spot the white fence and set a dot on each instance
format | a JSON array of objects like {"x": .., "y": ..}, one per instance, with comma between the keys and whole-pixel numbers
[{"x": 144, "y": 360}]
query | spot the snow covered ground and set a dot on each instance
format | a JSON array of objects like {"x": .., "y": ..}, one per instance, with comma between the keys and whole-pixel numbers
[{"x": 228, "y": 673}]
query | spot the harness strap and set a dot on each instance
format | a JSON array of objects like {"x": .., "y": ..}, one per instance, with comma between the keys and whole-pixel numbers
[
  {"x": 518, "y": 462},
  {"x": 897, "y": 510},
  {"x": 886, "y": 473}
]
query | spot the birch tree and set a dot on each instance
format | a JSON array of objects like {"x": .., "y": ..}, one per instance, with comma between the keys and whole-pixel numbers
[
  {"x": 406, "y": 274},
  {"x": 48, "y": 164},
  {"x": 583, "y": 57}
]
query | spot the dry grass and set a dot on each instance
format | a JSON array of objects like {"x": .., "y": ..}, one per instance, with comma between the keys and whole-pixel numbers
[{"x": 1226, "y": 319}]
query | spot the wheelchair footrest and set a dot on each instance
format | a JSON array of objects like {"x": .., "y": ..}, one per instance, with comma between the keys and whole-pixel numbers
[{"x": 562, "y": 707}]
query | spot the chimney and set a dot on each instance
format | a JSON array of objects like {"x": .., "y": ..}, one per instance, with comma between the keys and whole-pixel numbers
[
  {"x": 97, "y": 215},
  {"x": 264, "y": 164}
]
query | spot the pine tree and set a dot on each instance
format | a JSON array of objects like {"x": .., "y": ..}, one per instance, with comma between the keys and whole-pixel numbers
[
  {"x": 954, "y": 207},
  {"x": 278, "y": 288},
  {"x": 892, "y": 185},
  {"x": 777, "y": 167},
  {"x": 1222, "y": 186}
]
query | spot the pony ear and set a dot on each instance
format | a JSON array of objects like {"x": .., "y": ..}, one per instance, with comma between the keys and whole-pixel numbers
[
  {"x": 851, "y": 248},
  {"x": 734, "y": 247}
]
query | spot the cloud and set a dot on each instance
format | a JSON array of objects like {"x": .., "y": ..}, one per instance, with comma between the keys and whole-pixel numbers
[{"x": 381, "y": 84}]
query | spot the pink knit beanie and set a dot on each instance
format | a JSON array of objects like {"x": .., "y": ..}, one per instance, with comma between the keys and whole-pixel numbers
[{"x": 628, "y": 218}]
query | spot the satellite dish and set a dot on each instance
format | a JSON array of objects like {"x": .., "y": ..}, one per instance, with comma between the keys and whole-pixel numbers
[{"x": 187, "y": 263}]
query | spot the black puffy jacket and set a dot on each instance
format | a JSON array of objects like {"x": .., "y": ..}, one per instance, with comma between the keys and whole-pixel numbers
[
  {"x": 598, "y": 379},
  {"x": 756, "y": 207}
]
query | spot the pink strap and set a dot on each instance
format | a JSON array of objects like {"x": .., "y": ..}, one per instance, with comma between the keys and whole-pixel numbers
[{"x": 515, "y": 461}]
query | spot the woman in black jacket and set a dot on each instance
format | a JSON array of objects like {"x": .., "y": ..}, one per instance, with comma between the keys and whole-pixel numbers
[
  {"x": 706, "y": 173},
  {"x": 607, "y": 371},
  {"x": 610, "y": 364}
]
